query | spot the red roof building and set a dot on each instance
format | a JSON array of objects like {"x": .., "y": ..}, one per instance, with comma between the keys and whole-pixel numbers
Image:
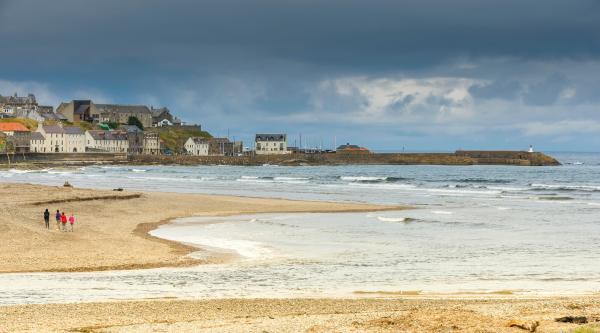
[{"x": 10, "y": 128}]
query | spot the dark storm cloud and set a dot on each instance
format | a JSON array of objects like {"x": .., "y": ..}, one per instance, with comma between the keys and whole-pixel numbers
[{"x": 372, "y": 35}]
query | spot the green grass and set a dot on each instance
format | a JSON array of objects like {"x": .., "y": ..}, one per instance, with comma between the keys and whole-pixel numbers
[{"x": 174, "y": 137}]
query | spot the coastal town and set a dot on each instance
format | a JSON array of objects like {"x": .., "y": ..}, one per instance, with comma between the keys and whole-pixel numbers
[{"x": 82, "y": 126}]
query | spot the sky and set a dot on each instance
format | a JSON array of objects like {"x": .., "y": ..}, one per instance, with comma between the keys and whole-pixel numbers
[{"x": 419, "y": 75}]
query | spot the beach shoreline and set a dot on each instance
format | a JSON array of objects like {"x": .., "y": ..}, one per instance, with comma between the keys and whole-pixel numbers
[{"x": 112, "y": 227}]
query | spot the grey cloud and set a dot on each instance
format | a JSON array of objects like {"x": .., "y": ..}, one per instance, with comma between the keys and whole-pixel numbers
[
  {"x": 497, "y": 89},
  {"x": 547, "y": 91}
]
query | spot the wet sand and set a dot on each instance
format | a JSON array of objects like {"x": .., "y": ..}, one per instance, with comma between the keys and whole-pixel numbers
[{"x": 111, "y": 231}]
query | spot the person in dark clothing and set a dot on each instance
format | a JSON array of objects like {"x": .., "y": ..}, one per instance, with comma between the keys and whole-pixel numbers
[
  {"x": 47, "y": 218},
  {"x": 58, "y": 216}
]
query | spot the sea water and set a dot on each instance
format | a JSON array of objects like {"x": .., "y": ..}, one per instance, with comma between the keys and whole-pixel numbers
[{"x": 531, "y": 230}]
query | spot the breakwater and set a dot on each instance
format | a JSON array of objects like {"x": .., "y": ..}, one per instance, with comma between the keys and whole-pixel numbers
[
  {"x": 463, "y": 157},
  {"x": 458, "y": 158}
]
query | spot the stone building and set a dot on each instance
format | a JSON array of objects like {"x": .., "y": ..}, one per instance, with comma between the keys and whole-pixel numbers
[
  {"x": 17, "y": 136},
  {"x": 59, "y": 139},
  {"x": 86, "y": 110},
  {"x": 163, "y": 117},
  {"x": 196, "y": 146},
  {"x": 118, "y": 113},
  {"x": 107, "y": 141},
  {"x": 135, "y": 136},
  {"x": 10, "y": 104},
  {"x": 77, "y": 110},
  {"x": 152, "y": 144},
  {"x": 37, "y": 142},
  {"x": 270, "y": 144}
]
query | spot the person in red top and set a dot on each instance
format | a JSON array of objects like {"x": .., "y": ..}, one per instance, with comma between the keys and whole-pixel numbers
[
  {"x": 63, "y": 219},
  {"x": 71, "y": 221}
]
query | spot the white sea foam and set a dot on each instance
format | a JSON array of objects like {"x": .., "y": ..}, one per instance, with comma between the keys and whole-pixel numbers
[
  {"x": 565, "y": 187},
  {"x": 391, "y": 219},
  {"x": 441, "y": 212},
  {"x": 362, "y": 178}
]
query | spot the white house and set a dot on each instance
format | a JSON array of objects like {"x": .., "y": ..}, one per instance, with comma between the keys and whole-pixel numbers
[
  {"x": 54, "y": 138},
  {"x": 107, "y": 141},
  {"x": 196, "y": 146},
  {"x": 37, "y": 143},
  {"x": 270, "y": 144},
  {"x": 74, "y": 139},
  {"x": 58, "y": 139},
  {"x": 164, "y": 122}
]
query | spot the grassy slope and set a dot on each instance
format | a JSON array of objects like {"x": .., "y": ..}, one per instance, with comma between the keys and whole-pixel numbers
[{"x": 175, "y": 137}]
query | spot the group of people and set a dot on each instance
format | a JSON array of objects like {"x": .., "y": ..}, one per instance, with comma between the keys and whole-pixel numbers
[{"x": 61, "y": 220}]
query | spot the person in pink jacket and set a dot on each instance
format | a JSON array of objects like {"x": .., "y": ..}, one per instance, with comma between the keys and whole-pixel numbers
[{"x": 71, "y": 221}]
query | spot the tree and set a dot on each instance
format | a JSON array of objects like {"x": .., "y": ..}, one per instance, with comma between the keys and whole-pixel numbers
[{"x": 135, "y": 121}]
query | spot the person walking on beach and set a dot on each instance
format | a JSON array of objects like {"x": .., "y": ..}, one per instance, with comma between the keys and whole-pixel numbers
[
  {"x": 71, "y": 221},
  {"x": 63, "y": 219},
  {"x": 58, "y": 218},
  {"x": 47, "y": 218}
]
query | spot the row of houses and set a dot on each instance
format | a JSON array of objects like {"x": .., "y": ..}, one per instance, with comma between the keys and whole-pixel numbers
[
  {"x": 85, "y": 110},
  {"x": 265, "y": 144},
  {"x": 72, "y": 139},
  {"x": 200, "y": 146}
]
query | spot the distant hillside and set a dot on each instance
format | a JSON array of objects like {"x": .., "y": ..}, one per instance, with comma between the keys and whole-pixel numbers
[{"x": 175, "y": 136}]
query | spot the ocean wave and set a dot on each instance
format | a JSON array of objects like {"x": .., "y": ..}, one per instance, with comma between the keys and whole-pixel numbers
[
  {"x": 19, "y": 171},
  {"x": 372, "y": 179},
  {"x": 271, "y": 179},
  {"x": 557, "y": 198},
  {"x": 564, "y": 188},
  {"x": 384, "y": 186},
  {"x": 138, "y": 170},
  {"x": 458, "y": 191},
  {"x": 483, "y": 180}
]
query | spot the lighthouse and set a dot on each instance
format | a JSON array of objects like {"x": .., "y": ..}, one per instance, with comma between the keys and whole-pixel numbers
[{"x": 530, "y": 149}]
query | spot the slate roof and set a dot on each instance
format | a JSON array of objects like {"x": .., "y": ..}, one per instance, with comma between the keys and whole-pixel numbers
[
  {"x": 199, "y": 140},
  {"x": 119, "y": 108},
  {"x": 108, "y": 135},
  {"x": 158, "y": 112},
  {"x": 72, "y": 130},
  {"x": 37, "y": 136},
  {"x": 270, "y": 137},
  {"x": 130, "y": 128},
  {"x": 54, "y": 129}
]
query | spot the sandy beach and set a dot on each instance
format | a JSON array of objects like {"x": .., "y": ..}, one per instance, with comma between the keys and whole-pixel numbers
[
  {"x": 111, "y": 233},
  {"x": 111, "y": 228},
  {"x": 406, "y": 314}
]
